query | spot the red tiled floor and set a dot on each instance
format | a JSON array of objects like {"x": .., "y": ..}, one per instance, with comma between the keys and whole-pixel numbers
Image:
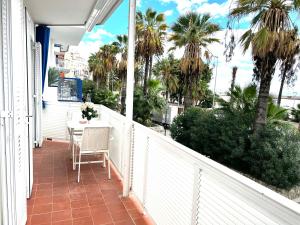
[{"x": 57, "y": 198}]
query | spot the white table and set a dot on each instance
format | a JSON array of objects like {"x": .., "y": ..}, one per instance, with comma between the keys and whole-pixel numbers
[{"x": 76, "y": 125}]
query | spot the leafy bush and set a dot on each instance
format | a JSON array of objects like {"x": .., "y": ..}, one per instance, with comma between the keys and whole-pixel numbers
[
  {"x": 99, "y": 96},
  {"x": 226, "y": 136},
  {"x": 105, "y": 97},
  {"x": 88, "y": 88},
  {"x": 144, "y": 106},
  {"x": 274, "y": 156},
  {"x": 222, "y": 137},
  {"x": 53, "y": 77},
  {"x": 296, "y": 113}
]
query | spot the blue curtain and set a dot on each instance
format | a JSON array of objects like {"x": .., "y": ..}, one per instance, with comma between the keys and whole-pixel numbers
[{"x": 42, "y": 36}]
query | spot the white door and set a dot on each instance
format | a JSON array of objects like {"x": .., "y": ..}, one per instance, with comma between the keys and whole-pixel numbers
[
  {"x": 7, "y": 200},
  {"x": 19, "y": 75},
  {"x": 30, "y": 100}
]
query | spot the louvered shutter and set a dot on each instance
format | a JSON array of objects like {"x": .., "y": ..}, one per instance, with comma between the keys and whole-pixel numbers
[
  {"x": 20, "y": 108},
  {"x": 38, "y": 93}
]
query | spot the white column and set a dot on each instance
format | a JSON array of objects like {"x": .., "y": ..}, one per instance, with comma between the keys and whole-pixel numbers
[
  {"x": 130, "y": 60},
  {"x": 129, "y": 97}
]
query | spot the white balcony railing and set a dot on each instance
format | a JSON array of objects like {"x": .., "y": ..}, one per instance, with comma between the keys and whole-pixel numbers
[{"x": 176, "y": 185}]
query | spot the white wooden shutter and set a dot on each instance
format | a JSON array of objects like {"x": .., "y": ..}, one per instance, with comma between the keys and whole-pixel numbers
[
  {"x": 30, "y": 37},
  {"x": 38, "y": 93},
  {"x": 6, "y": 138},
  {"x": 20, "y": 111}
]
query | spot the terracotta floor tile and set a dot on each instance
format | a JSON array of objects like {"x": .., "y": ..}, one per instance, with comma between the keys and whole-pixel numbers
[
  {"x": 79, "y": 204},
  {"x": 94, "y": 201},
  {"x": 101, "y": 218},
  {"x": 61, "y": 206},
  {"x": 124, "y": 222},
  {"x": 120, "y": 216},
  {"x": 61, "y": 215},
  {"x": 38, "y": 209},
  {"x": 116, "y": 207},
  {"x": 41, "y": 219},
  {"x": 64, "y": 222},
  {"x": 83, "y": 221},
  {"x": 99, "y": 208},
  {"x": 43, "y": 200},
  {"x": 81, "y": 212}
]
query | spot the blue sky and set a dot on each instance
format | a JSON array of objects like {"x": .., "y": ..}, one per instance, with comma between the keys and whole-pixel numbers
[{"x": 118, "y": 23}]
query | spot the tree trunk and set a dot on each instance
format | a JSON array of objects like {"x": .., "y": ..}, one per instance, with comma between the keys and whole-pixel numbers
[
  {"x": 167, "y": 96},
  {"x": 281, "y": 87},
  {"x": 150, "y": 67},
  {"x": 145, "y": 89},
  {"x": 188, "y": 99},
  {"x": 123, "y": 98},
  {"x": 299, "y": 126},
  {"x": 234, "y": 70},
  {"x": 266, "y": 72}
]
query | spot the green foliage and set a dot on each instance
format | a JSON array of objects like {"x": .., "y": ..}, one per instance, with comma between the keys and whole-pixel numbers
[
  {"x": 144, "y": 106},
  {"x": 296, "y": 113},
  {"x": 222, "y": 137},
  {"x": 105, "y": 97},
  {"x": 99, "y": 96},
  {"x": 88, "y": 88},
  {"x": 274, "y": 156},
  {"x": 53, "y": 76},
  {"x": 227, "y": 137},
  {"x": 276, "y": 113}
]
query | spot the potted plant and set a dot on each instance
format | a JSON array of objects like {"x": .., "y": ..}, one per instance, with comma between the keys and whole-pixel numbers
[{"x": 88, "y": 111}]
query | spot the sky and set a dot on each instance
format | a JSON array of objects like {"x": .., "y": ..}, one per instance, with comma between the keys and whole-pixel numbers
[{"x": 218, "y": 9}]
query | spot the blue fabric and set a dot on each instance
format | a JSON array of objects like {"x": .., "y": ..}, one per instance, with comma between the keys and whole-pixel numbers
[
  {"x": 79, "y": 89},
  {"x": 42, "y": 36}
]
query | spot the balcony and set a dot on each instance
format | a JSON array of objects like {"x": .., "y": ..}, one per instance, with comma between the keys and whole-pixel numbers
[
  {"x": 173, "y": 184},
  {"x": 58, "y": 199}
]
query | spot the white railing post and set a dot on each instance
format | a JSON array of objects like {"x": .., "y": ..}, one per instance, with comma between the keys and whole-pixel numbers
[{"x": 129, "y": 97}]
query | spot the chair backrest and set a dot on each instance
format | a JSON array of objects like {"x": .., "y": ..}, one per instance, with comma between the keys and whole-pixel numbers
[{"x": 95, "y": 139}]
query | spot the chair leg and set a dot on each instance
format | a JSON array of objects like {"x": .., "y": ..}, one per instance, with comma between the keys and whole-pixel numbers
[
  {"x": 108, "y": 165},
  {"x": 79, "y": 160},
  {"x": 104, "y": 163},
  {"x": 73, "y": 157}
]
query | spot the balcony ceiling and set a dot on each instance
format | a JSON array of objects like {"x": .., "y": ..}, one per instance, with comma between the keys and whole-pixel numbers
[
  {"x": 67, "y": 18},
  {"x": 60, "y": 12}
]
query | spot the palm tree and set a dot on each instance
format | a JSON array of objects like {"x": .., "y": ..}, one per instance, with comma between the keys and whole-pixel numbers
[
  {"x": 234, "y": 71},
  {"x": 269, "y": 28},
  {"x": 121, "y": 43},
  {"x": 150, "y": 30},
  {"x": 96, "y": 67},
  {"x": 167, "y": 74},
  {"x": 288, "y": 69},
  {"x": 192, "y": 31},
  {"x": 107, "y": 54}
]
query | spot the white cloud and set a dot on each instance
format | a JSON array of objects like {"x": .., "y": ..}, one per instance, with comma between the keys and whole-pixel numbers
[
  {"x": 168, "y": 12},
  {"x": 85, "y": 49},
  {"x": 96, "y": 34},
  {"x": 138, "y": 3},
  {"x": 215, "y": 9},
  {"x": 184, "y": 6}
]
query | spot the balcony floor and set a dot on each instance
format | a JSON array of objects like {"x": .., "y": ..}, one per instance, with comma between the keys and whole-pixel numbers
[{"x": 57, "y": 198}]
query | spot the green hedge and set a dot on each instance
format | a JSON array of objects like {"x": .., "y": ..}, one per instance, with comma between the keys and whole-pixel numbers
[{"x": 272, "y": 156}]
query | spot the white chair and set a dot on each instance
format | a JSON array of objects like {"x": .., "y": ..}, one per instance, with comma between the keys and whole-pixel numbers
[
  {"x": 94, "y": 141},
  {"x": 73, "y": 116}
]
